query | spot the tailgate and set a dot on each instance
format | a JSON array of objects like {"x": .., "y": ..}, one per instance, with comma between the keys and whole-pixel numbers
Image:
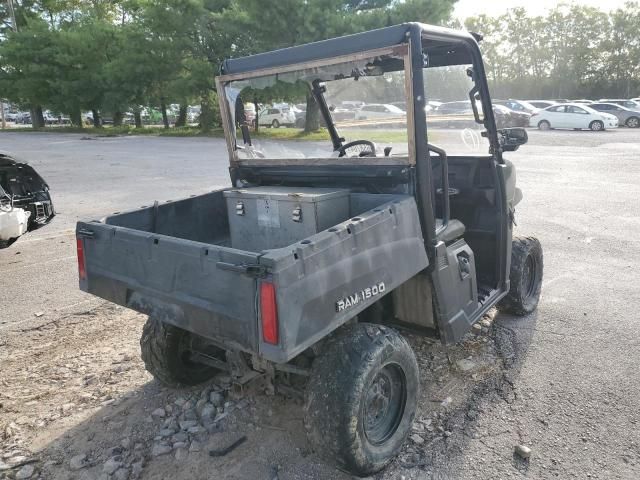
[{"x": 193, "y": 285}]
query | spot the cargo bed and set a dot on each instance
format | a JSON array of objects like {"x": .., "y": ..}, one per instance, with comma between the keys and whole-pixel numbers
[{"x": 176, "y": 261}]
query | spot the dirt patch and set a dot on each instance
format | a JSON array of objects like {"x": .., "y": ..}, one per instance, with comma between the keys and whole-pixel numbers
[{"x": 76, "y": 402}]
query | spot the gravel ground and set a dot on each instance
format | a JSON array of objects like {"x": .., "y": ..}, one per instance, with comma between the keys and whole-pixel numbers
[{"x": 74, "y": 396}]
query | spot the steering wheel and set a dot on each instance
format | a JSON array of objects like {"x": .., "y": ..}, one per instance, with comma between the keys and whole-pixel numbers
[{"x": 361, "y": 148}]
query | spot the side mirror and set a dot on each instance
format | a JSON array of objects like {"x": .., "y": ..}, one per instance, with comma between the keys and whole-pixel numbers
[{"x": 512, "y": 138}]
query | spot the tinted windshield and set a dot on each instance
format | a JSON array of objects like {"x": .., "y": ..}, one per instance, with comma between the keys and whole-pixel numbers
[{"x": 355, "y": 96}]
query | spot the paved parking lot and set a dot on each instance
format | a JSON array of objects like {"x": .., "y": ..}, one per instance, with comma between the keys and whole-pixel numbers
[{"x": 573, "y": 365}]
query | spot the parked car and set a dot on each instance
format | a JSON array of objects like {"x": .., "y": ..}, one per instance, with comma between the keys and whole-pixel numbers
[
  {"x": 517, "y": 105},
  {"x": 458, "y": 114},
  {"x": 379, "y": 110},
  {"x": 573, "y": 115},
  {"x": 250, "y": 113},
  {"x": 25, "y": 202},
  {"x": 505, "y": 117},
  {"x": 352, "y": 104},
  {"x": 626, "y": 116},
  {"x": 621, "y": 101},
  {"x": 276, "y": 117},
  {"x": 23, "y": 117},
  {"x": 542, "y": 103},
  {"x": 401, "y": 105},
  {"x": 454, "y": 108}
]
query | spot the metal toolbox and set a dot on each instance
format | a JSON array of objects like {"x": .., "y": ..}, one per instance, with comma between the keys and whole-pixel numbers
[{"x": 263, "y": 218}]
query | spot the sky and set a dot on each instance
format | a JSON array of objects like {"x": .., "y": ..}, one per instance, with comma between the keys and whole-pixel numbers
[{"x": 468, "y": 8}]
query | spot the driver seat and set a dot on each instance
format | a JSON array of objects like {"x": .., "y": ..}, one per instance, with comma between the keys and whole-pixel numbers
[{"x": 454, "y": 230}]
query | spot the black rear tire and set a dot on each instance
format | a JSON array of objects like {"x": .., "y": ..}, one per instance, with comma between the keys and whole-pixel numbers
[
  {"x": 525, "y": 276},
  {"x": 275, "y": 124},
  {"x": 362, "y": 398},
  {"x": 165, "y": 352},
  {"x": 633, "y": 122},
  {"x": 544, "y": 125}
]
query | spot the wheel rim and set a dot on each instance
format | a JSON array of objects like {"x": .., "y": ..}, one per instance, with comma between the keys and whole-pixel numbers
[
  {"x": 385, "y": 400},
  {"x": 544, "y": 125},
  {"x": 632, "y": 122},
  {"x": 530, "y": 276},
  {"x": 596, "y": 126}
]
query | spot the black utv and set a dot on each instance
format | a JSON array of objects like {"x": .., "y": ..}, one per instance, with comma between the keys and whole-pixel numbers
[{"x": 321, "y": 251}]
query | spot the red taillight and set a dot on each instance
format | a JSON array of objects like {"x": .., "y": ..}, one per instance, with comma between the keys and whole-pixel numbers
[
  {"x": 269, "y": 313},
  {"x": 82, "y": 271}
]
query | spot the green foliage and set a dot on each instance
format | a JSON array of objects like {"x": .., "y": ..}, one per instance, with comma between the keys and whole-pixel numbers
[
  {"x": 573, "y": 52},
  {"x": 115, "y": 56}
]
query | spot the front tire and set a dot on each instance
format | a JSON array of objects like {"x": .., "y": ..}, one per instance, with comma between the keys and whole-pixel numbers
[
  {"x": 165, "y": 352},
  {"x": 362, "y": 398},
  {"x": 596, "y": 126},
  {"x": 544, "y": 125},
  {"x": 525, "y": 277},
  {"x": 633, "y": 122}
]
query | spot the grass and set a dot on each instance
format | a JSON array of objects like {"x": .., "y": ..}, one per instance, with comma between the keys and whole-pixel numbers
[
  {"x": 372, "y": 134},
  {"x": 124, "y": 130}
]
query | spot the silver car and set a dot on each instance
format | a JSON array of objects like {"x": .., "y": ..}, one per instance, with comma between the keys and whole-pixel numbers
[{"x": 626, "y": 116}]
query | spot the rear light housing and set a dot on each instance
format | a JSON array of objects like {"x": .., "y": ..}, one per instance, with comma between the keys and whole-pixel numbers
[
  {"x": 268, "y": 313},
  {"x": 82, "y": 267}
]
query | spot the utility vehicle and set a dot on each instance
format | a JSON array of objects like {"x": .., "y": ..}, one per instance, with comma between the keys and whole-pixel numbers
[{"x": 322, "y": 251}]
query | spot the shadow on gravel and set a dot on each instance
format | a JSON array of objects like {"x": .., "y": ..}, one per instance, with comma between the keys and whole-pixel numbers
[
  {"x": 156, "y": 433},
  {"x": 508, "y": 341}
]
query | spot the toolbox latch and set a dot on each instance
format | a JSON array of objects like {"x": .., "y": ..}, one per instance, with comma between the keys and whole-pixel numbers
[{"x": 249, "y": 269}]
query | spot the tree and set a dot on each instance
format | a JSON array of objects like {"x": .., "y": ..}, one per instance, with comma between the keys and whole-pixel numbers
[{"x": 292, "y": 22}]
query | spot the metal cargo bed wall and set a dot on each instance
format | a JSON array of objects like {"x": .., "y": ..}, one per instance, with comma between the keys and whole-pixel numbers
[
  {"x": 175, "y": 280},
  {"x": 201, "y": 218},
  {"x": 328, "y": 278}
]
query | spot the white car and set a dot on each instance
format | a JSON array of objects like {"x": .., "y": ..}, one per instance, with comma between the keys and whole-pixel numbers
[
  {"x": 379, "y": 110},
  {"x": 276, "y": 117},
  {"x": 572, "y": 115}
]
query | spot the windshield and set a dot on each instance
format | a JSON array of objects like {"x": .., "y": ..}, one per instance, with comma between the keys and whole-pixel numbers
[
  {"x": 452, "y": 124},
  {"x": 318, "y": 111}
]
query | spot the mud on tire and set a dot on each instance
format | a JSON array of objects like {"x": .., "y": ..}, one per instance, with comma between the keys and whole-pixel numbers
[
  {"x": 525, "y": 276},
  {"x": 362, "y": 397},
  {"x": 165, "y": 350}
]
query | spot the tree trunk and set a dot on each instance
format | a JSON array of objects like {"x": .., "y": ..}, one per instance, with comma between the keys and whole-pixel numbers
[
  {"x": 96, "y": 119},
  {"x": 76, "y": 118},
  {"x": 312, "y": 122},
  {"x": 138, "y": 118},
  {"x": 39, "y": 116},
  {"x": 117, "y": 119},
  {"x": 206, "y": 114},
  {"x": 181, "y": 121},
  {"x": 35, "y": 119},
  {"x": 165, "y": 119}
]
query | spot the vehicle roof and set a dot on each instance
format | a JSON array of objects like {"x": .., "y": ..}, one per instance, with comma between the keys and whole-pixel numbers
[
  {"x": 573, "y": 104},
  {"x": 345, "y": 45},
  {"x": 7, "y": 161},
  {"x": 608, "y": 103}
]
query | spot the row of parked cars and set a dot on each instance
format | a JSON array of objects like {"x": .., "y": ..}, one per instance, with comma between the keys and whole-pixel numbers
[
  {"x": 544, "y": 114},
  {"x": 579, "y": 114}
]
